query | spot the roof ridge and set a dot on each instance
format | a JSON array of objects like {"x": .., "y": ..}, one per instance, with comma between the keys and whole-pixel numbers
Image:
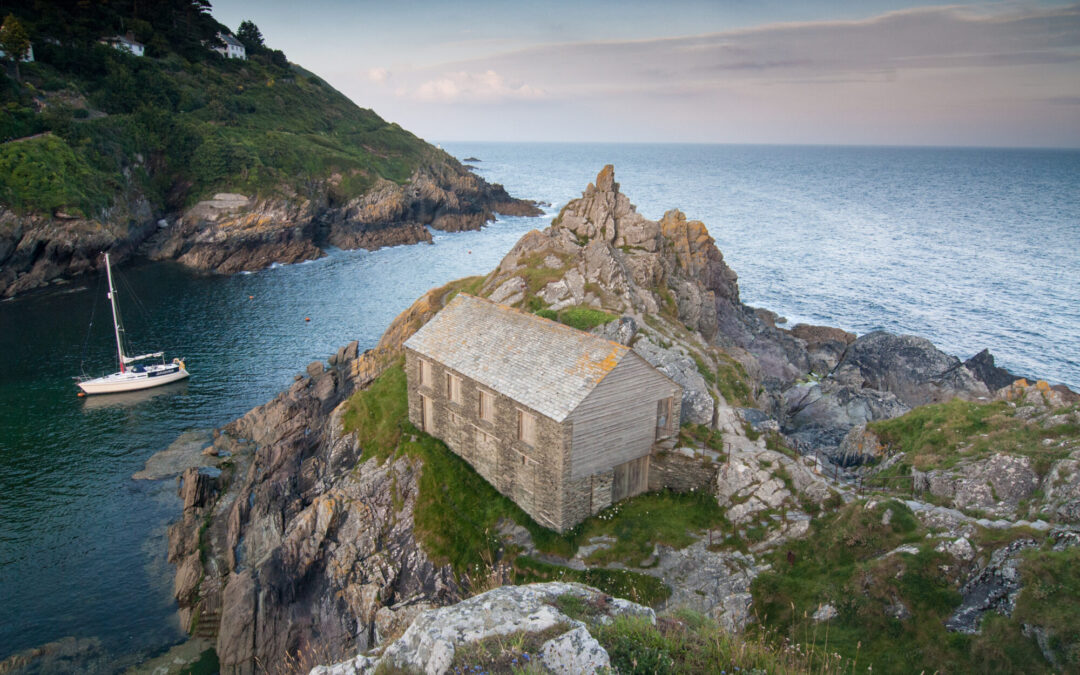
[{"x": 538, "y": 318}]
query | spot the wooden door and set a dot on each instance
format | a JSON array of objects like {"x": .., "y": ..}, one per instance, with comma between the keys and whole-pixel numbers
[
  {"x": 631, "y": 478},
  {"x": 427, "y": 414}
]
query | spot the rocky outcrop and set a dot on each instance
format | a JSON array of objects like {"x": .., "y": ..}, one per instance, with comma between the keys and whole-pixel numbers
[
  {"x": 714, "y": 583},
  {"x": 697, "y": 403},
  {"x": 993, "y": 588},
  {"x": 997, "y": 484},
  {"x": 820, "y": 414},
  {"x": 755, "y": 480},
  {"x": 909, "y": 367},
  {"x": 291, "y": 541},
  {"x": 233, "y": 232},
  {"x": 36, "y": 250},
  {"x": 430, "y": 643}
]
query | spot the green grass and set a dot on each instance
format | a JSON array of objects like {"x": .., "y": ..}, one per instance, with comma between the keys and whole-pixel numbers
[
  {"x": 840, "y": 562},
  {"x": 206, "y": 664},
  {"x": 700, "y": 435},
  {"x": 183, "y": 129},
  {"x": 578, "y": 316},
  {"x": 516, "y": 652},
  {"x": 687, "y": 642},
  {"x": 1049, "y": 599},
  {"x": 640, "y": 588},
  {"x": 733, "y": 382},
  {"x": 457, "y": 511},
  {"x": 639, "y": 524},
  {"x": 940, "y": 435}
]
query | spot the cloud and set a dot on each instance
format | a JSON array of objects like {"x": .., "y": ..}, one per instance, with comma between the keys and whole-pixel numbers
[
  {"x": 921, "y": 39},
  {"x": 474, "y": 87},
  {"x": 378, "y": 75}
]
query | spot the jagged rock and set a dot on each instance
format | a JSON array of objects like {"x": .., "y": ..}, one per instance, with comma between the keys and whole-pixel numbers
[
  {"x": 716, "y": 584},
  {"x": 622, "y": 330},
  {"x": 510, "y": 292},
  {"x": 982, "y": 367},
  {"x": 825, "y": 613},
  {"x": 197, "y": 485},
  {"x": 391, "y": 622},
  {"x": 747, "y": 483},
  {"x": 820, "y": 414},
  {"x": 1061, "y": 489},
  {"x": 429, "y": 644},
  {"x": 825, "y": 346},
  {"x": 994, "y": 588},
  {"x": 304, "y": 545},
  {"x": 697, "y": 402},
  {"x": 996, "y": 484},
  {"x": 959, "y": 548},
  {"x": 859, "y": 447},
  {"x": 606, "y": 214},
  {"x": 573, "y": 652},
  {"x": 910, "y": 367}
]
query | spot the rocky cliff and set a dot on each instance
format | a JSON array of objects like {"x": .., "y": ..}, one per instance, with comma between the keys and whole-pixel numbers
[
  {"x": 236, "y": 232},
  {"x": 299, "y": 543}
]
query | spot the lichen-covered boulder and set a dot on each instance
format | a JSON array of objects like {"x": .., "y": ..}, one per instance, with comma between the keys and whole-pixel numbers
[{"x": 430, "y": 643}]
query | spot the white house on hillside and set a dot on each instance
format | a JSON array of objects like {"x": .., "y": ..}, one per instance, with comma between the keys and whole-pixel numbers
[
  {"x": 125, "y": 43},
  {"x": 233, "y": 49},
  {"x": 29, "y": 58}
]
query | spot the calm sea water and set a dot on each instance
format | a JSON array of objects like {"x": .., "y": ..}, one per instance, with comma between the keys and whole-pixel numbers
[{"x": 969, "y": 248}]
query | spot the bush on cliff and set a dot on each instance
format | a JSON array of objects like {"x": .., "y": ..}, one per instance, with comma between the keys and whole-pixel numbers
[{"x": 182, "y": 122}]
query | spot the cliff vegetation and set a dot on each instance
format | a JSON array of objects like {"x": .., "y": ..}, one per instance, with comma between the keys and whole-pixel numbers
[{"x": 93, "y": 134}]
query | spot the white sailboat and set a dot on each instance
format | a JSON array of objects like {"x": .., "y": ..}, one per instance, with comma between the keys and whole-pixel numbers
[{"x": 139, "y": 375}]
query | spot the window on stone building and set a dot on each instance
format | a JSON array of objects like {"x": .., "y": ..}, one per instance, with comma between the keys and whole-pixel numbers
[
  {"x": 526, "y": 427},
  {"x": 453, "y": 388},
  {"x": 663, "y": 417},
  {"x": 485, "y": 405},
  {"x": 426, "y": 378}
]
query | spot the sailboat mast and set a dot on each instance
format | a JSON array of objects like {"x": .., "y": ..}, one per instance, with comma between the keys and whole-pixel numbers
[{"x": 115, "y": 320}]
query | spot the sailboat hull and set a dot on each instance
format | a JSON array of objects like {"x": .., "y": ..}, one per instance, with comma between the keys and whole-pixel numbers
[{"x": 132, "y": 381}]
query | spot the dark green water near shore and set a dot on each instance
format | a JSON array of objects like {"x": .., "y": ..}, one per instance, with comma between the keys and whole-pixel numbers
[{"x": 82, "y": 543}]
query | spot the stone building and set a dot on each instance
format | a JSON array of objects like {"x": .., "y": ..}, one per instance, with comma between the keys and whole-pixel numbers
[{"x": 561, "y": 421}]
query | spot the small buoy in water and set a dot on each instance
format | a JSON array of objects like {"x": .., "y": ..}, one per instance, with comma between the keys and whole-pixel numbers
[
  {"x": 470, "y": 251},
  {"x": 251, "y": 297},
  {"x": 81, "y": 394},
  {"x": 307, "y": 318}
]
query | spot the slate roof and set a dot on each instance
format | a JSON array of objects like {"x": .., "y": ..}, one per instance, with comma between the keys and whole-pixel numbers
[
  {"x": 230, "y": 40},
  {"x": 539, "y": 363}
]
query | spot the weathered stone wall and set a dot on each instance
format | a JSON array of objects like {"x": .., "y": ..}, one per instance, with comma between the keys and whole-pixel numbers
[
  {"x": 531, "y": 476},
  {"x": 681, "y": 470}
]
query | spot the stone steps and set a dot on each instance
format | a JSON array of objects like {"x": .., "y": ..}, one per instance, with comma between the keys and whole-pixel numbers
[{"x": 209, "y": 624}]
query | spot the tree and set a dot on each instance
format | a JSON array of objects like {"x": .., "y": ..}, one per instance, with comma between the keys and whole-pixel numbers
[
  {"x": 14, "y": 41},
  {"x": 250, "y": 35}
]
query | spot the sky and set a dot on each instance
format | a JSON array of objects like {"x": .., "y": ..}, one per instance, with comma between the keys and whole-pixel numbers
[{"x": 1001, "y": 73}]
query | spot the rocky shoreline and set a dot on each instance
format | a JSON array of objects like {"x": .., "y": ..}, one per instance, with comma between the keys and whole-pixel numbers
[
  {"x": 233, "y": 232},
  {"x": 289, "y": 545}
]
